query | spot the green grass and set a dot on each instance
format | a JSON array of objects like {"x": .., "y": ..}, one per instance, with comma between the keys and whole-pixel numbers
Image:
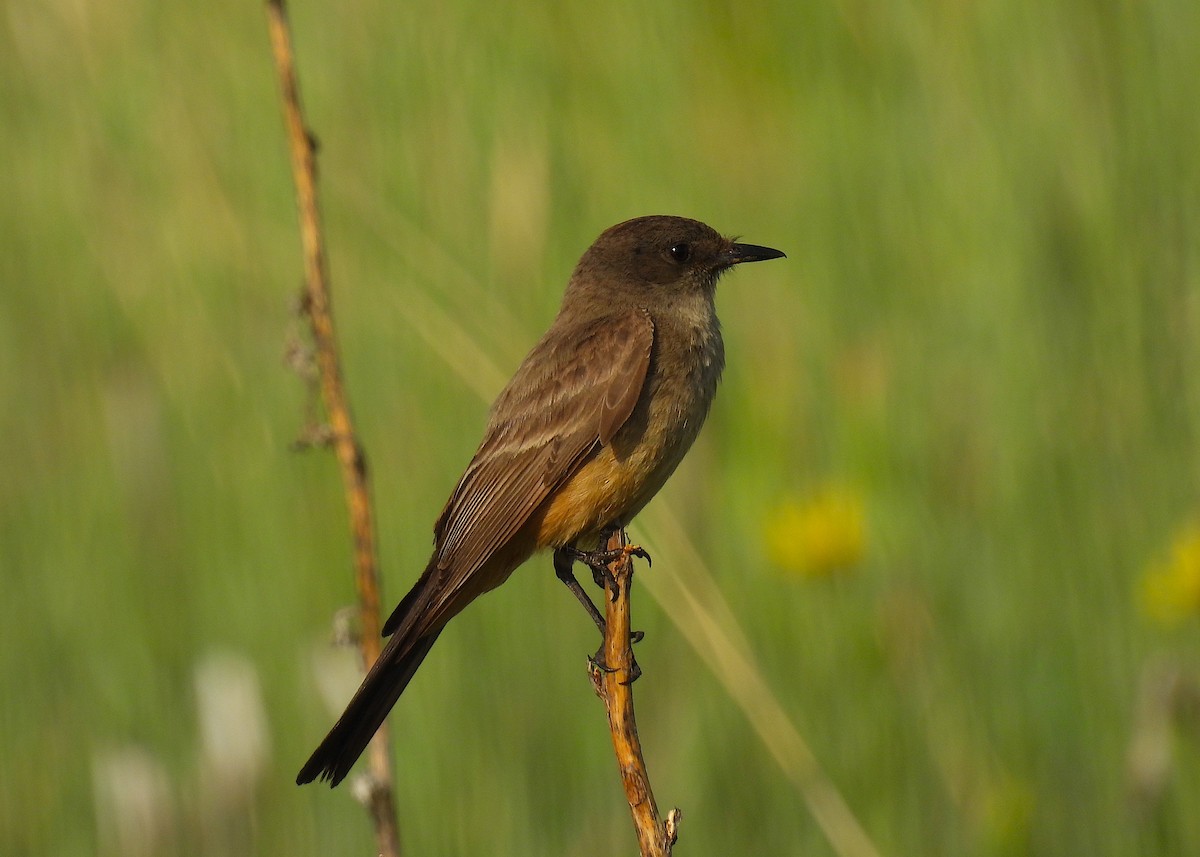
[{"x": 988, "y": 325}]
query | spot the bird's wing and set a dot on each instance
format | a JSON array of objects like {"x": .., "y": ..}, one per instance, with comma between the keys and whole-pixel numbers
[{"x": 567, "y": 399}]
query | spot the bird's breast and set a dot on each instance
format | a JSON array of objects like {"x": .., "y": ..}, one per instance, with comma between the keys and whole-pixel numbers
[{"x": 613, "y": 485}]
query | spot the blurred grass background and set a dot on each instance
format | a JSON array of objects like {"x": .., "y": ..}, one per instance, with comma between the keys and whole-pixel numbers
[{"x": 949, "y": 488}]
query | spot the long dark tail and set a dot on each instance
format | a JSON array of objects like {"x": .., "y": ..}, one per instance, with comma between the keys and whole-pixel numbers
[{"x": 379, "y": 691}]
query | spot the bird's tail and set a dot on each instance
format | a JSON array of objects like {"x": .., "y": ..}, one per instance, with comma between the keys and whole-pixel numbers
[{"x": 379, "y": 691}]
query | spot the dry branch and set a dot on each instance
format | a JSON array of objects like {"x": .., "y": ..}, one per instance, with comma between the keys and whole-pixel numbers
[
  {"x": 613, "y": 672},
  {"x": 377, "y": 794}
]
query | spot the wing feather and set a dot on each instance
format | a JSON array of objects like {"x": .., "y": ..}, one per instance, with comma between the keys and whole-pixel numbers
[{"x": 568, "y": 398}]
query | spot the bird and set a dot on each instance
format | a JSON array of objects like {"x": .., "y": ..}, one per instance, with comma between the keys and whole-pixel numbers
[{"x": 595, "y": 419}]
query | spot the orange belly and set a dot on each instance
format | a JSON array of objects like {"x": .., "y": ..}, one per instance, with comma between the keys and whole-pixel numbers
[{"x": 603, "y": 491}]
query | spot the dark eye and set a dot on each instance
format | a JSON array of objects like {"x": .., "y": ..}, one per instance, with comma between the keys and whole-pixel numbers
[{"x": 681, "y": 252}]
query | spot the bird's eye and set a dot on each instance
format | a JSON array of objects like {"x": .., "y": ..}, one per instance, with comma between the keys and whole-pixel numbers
[{"x": 681, "y": 252}]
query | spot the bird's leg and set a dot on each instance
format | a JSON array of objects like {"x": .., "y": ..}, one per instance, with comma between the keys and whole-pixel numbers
[
  {"x": 564, "y": 558},
  {"x": 601, "y": 561},
  {"x": 598, "y": 561}
]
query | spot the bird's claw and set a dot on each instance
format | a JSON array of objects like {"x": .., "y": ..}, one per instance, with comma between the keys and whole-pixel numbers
[
  {"x": 599, "y": 560},
  {"x": 597, "y": 663}
]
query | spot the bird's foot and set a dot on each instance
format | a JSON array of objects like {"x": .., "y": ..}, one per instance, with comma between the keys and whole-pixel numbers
[
  {"x": 598, "y": 664},
  {"x": 600, "y": 559},
  {"x": 565, "y": 557}
]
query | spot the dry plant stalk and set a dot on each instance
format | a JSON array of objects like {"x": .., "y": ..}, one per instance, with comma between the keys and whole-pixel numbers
[
  {"x": 352, "y": 460},
  {"x": 613, "y": 673}
]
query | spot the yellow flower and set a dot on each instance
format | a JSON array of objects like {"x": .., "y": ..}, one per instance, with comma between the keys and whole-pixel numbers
[
  {"x": 819, "y": 536},
  {"x": 1171, "y": 584}
]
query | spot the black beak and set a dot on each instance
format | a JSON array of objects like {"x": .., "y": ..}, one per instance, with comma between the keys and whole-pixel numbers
[{"x": 738, "y": 253}]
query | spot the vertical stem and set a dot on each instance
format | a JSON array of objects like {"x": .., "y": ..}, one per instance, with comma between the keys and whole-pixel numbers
[
  {"x": 613, "y": 673},
  {"x": 350, "y": 455}
]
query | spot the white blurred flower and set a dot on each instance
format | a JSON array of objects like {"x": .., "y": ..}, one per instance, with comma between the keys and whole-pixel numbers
[
  {"x": 134, "y": 807},
  {"x": 234, "y": 738}
]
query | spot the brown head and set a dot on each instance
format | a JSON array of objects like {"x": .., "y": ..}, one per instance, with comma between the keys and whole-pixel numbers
[{"x": 658, "y": 260}]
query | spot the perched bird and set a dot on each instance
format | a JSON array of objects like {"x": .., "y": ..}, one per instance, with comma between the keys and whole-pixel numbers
[{"x": 595, "y": 419}]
